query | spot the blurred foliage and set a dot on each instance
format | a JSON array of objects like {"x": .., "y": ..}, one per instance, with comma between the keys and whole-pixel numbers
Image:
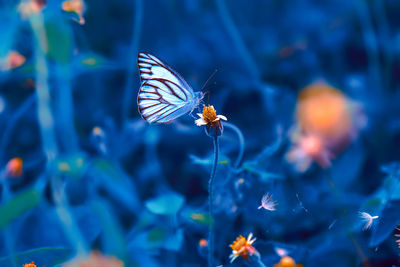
[{"x": 97, "y": 177}]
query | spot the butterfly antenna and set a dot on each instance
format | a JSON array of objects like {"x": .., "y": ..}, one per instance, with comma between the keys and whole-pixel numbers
[{"x": 209, "y": 78}]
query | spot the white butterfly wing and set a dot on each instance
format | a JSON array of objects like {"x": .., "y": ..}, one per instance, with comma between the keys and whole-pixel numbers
[{"x": 164, "y": 94}]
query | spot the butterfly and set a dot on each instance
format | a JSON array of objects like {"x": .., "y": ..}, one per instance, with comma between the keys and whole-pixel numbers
[{"x": 164, "y": 95}]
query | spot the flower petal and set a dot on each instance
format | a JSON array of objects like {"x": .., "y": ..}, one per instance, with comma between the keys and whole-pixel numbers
[
  {"x": 200, "y": 122},
  {"x": 222, "y": 117},
  {"x": 250, "y": 236},
  {"x": 200, "y": 115}
]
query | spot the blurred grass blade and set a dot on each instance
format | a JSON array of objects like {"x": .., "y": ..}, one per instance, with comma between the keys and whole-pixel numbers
[
  {"x": 113, "y": 239},
  {"x": 18, "y": 205},
  {"x": 45, "y": 256}
]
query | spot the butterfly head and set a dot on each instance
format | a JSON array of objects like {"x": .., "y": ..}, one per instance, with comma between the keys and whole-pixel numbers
[{"x": 198, "y": 97}]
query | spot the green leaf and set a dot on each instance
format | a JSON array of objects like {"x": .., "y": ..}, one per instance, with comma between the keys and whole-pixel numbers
[
  {"x": 59, "y": 41},
  {"x": 18, "y": 205},
  {"x": 157, "y": 235},
  {"x": 45, "y": 256},
  {"x": 167, "y": 204},
  {"x": 372, "y": 203}
]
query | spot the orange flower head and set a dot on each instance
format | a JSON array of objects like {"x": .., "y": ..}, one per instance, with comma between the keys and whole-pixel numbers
[
  {"x": 32, "y": 264},
  {"x": 287, "y": 261},
  {"x": 211, "y": 120},
  {"x": 242, "y": 247},
  {"x": 209, "y": 114},
  {"x": 14, "y": 167}
]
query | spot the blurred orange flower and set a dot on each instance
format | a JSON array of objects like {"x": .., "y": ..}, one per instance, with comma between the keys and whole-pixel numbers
[
  {"x": 327, "y": 121},
  {"x": 29, "y": 7},
  {"x": 77, "y": 6},
  {"x": 203, "y": 243},
  {"x": 307, "y": 149},
  {"x": 32, "y": 264},
  {"x": 324, "y": 110},
  {"x": 14, "y": 167},
  {"x": 96, "y": 259},
  {"x": 12, "y": 60},
  {"x": 287, "y": 261}
]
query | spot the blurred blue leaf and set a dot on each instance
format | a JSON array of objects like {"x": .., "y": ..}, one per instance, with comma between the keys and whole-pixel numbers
[
  {"x": 158, "y": 237},
  {"x": 387, "y": 222},
  {"x": 337, "y": 251},
  {"x": 87, "y": 221},
  {"x": 263, "y": 175},
  {"x": 113, "y": 180},
  {"x": 392, "y": 168},
  {"x": 208, "y": 161},
  {"x": 167, "y": 204},
  {"x": 174, "y": 241},
  {"x": 355, "y": 155},
  {"x": 113, "y": 239}
]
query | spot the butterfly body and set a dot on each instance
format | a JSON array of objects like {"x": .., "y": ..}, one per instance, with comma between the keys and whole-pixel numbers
[{"x": 164, "y": 95}]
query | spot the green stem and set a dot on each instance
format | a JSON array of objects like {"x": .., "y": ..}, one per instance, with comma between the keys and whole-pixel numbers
[{"x": 210, "y": 203}]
